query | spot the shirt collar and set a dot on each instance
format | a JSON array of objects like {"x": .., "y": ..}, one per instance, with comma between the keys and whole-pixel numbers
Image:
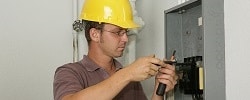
[{"x": 90, "y": 65}]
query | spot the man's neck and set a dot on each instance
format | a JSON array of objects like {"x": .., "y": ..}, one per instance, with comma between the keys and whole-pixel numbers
[{"x": 105, "y": 62}]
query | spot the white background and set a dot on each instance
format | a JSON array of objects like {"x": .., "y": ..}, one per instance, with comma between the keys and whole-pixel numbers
[
  {"x": 36, "y": 38},
  {"x": 237, "y": 35}
]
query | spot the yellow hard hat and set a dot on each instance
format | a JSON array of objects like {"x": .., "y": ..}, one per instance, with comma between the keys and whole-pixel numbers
[{"x": 117, "y": 12}]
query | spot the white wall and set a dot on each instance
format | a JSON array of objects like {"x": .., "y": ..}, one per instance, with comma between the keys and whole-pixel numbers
[
  {"x": 35, "y": 38},
  {"x": 237, "y": 37}
]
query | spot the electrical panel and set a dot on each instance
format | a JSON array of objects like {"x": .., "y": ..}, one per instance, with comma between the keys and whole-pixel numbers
[{"x": 183, "y": 33}]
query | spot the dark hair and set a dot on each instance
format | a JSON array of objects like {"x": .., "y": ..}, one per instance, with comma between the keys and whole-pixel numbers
[{"x": 91, "y": 24}]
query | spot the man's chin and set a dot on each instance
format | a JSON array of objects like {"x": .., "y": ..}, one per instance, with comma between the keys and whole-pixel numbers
[{"x": 117, "y": 56}]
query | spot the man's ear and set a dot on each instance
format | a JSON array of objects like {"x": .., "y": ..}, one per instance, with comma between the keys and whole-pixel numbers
[{"x": 94, "y": 34}]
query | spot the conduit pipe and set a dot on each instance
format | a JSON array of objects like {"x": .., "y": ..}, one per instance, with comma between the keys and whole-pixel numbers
[{"x": 75, "y": 33}]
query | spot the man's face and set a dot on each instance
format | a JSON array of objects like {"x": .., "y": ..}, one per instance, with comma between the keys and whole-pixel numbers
[{"x": 113, "y": 40}]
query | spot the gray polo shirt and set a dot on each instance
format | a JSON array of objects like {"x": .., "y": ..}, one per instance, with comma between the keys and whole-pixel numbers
[{"x": 73, "y": 77}]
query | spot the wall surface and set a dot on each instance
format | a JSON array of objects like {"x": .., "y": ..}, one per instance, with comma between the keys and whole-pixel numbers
[
  {"x": 35, "y": 38},
  {"x": 237, "y": 49}
]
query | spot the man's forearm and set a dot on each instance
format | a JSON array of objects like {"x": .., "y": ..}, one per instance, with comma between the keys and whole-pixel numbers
[{"x": 105, "y": 90}]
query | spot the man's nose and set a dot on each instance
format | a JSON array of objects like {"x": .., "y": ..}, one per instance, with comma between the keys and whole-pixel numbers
[{"x": 124, "y": 38}]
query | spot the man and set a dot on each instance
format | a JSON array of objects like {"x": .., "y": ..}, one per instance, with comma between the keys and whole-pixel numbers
[{"x": 98, "y": 76}]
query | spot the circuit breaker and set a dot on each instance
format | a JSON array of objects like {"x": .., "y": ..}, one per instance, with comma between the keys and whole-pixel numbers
[{"x": 183, "y": 33}]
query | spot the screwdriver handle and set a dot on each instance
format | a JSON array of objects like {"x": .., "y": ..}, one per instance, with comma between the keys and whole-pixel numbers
[{"x": 161, "y": 89}]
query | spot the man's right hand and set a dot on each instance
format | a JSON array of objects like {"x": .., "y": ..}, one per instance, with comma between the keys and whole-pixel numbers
[{"x": 143, "y": 68}]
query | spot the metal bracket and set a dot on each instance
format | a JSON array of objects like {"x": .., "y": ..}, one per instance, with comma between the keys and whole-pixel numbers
[{"x": 78, "y": 25}]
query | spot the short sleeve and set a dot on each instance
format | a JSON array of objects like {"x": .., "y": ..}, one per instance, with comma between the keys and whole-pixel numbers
[{"x": 66, "y": 81}]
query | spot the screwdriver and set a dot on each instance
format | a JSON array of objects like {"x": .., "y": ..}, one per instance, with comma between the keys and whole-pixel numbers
[{"x": 161, "y": 87}]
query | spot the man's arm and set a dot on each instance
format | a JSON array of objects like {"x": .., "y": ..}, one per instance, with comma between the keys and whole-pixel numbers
[
  {"x": 105, "y": 90},
  {"x": 141, "y": 69}
]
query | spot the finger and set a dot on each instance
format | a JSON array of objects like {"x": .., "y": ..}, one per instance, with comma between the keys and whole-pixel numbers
[
  {"x": 168, "y": 66},
  {"x": 167, "y": 71},
  {"x": 166, "y": 79},
  {"x": 168, "y": 84},
  {"x": 152, "y": 72},
  {"x": 168, "y": 74},
  {"x": 154, "y": 67},
  {"x": 156, "y": 61}
]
